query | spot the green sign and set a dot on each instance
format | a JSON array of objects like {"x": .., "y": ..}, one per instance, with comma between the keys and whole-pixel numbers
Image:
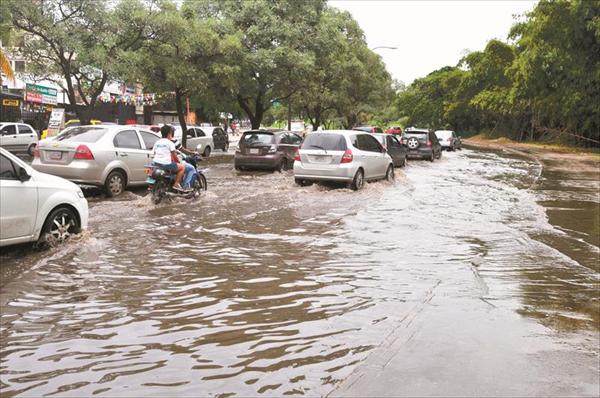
[
  {"x": 40, "y": 94},
  {"x": 276, "y": 104}
]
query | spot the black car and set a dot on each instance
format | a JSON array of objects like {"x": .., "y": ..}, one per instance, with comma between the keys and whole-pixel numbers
[
  {"x": 220, "y": 137},
  {"x": 394, "y": 148},
  {"x": 422, "y": 144}
]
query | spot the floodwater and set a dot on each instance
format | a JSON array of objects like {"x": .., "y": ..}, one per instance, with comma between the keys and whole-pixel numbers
[{"x": 479, "y": 269}]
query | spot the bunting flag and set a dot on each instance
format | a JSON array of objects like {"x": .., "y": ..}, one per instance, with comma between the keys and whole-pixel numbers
[{"x": 138, "y": 100}]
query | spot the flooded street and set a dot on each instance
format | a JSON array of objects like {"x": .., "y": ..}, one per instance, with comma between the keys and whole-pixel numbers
[{"x": 475, "y": 275}]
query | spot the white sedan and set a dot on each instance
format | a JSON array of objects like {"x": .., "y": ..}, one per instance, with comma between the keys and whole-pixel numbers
[{"x": 37, "y": 207}]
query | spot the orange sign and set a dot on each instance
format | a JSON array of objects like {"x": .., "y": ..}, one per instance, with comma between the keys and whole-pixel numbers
[{"x": 10, "y": 102}]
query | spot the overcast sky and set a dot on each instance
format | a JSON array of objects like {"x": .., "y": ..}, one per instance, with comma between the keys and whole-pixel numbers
[{"x": 431, "y": 34}]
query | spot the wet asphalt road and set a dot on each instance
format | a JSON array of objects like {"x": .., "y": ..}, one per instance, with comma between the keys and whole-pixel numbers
[{"x": 475, "y": 275}]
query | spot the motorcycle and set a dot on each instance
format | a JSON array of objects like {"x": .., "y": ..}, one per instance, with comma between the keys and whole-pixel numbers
[{"x": 160, "y": 182}]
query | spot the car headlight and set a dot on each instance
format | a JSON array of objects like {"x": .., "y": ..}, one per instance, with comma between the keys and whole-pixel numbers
[{"x": 80, "y": 194}]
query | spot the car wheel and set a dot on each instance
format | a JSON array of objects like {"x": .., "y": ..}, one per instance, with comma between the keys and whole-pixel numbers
[
  {"x": 30, "y": 149},
  {"x": 59, "y": 226},
  {"x": 432, "y": 157},
  {"x": 206, "y": 152},
  {"x": 390, "y": 176},
  {"x": 226, "y": 147},
  {"x": 302, "y": 183},
  {"x": 440, "y": 155},
  {"x": 115, "y": 183},
  {"x": 359, "y": 180},
  {"x": 238, "y": 168},
  {"x": 403, "y": 164}
]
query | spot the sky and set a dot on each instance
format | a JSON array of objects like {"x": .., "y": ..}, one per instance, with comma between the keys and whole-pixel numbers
[{"x": 431, "y": 34}]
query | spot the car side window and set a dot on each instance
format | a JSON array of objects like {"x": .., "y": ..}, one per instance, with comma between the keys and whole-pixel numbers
[
  {"x": 217, "y": 132},
  {"x": 392, "y": 142},
  {"x": 7, "y": 169},
  {"x": 355, "y": 142},
  {"x": 295, "y": 139},
  {"x": 371, "y": 144},
  {"x": 149, "y": 139},
  {"x": 285, "y": 139},
  {"x": 127, "y": 139},
  {"x": 10, "y": 129},
  {"x": 23, "y": 129},
  {"x": 191, "y": 133},
  {"x": 200, "y": 133}
]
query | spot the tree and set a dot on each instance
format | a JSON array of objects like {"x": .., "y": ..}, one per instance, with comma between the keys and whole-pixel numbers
[
  {"x": 334, "y": 37},
  {"x": 182, "y": 54},
  {"x": 74, "y": 43},
  {"x": 275, "y": 56}
]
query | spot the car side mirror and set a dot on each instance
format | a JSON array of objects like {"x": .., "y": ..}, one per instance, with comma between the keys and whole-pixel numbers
[{"x": 23, "y": 174}]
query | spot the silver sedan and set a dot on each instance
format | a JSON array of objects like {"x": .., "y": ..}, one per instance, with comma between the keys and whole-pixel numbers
[
  {"x": 347, "y": 156},
  {"x": 109, "y": 156}
]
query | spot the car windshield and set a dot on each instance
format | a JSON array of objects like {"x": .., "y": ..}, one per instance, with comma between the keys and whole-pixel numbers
[
  {"x": 257, "y": 139},
  {"x": 443, "y": 134},
  {"x": 82, "y": 134},
  {"x": 326, "y": 141},
  {"x": 365, "y": 129},
  {"x": 415, "y": 134}
]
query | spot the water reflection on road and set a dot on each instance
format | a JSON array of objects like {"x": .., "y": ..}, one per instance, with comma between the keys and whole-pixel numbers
[{"x": 263, "y": 287}]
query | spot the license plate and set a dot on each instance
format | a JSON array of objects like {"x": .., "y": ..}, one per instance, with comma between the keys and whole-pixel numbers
[
  {"x": 254, "y": 151},
  {"x": 55, "y": 155},
  {"x": 150, "y": 180},
  {"x": 321, "y": 159}
]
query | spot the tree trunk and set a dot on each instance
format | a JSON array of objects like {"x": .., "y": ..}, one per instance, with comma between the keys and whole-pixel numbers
[
  {"x": 181, "y": 116},
  {"x": 256, "y": 116}
]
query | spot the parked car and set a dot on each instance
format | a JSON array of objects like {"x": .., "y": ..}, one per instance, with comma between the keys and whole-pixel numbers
[
  {"x": 369, "y": 129},
  {"x": 198, "y": 139},
  {"x": 448, "y": 139},
  {"x": 422, "y": 144},
  {"x": 394, "y": 130},
  {"x": 220, "y": 137},
  {"x": 113, "y": 157},
  {"x": 18, "y": 137},
  {"x": 348, "y": 156},
  {"x": 394, "y": 148},
  {"x": 266, "y": 149},
  {"x": 73, "y": 123},
  {"x": 37, "y": 207}
]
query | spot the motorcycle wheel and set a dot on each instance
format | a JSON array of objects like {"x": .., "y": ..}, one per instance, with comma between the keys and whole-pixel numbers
[
  {"x": 198, "y": 186},
  {"x": 159, "y": 191}
]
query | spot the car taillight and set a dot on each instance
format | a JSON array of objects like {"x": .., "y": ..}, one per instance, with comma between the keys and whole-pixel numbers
[
  {"x": 347, "y": 157},
  {"x": 449, "y": 139},
  {"x": 297, "y": 158},
  {"x": 36, "y": 151},
  {"x": 428, "y": 143},
  {"x": 83, "y": 153},
  {"x": 272, "y": 149}
]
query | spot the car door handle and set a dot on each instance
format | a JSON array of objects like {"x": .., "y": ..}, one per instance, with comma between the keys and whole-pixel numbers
[{"x": 123, "y": 155}]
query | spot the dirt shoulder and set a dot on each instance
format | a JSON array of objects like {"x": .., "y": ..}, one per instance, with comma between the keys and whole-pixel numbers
[{"x": 562, "y": 157}]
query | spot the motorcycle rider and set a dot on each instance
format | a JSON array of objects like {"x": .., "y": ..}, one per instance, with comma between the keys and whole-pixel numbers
[
  {"x": 165, "y": 156},
  {"x": 189, "y": 168}
]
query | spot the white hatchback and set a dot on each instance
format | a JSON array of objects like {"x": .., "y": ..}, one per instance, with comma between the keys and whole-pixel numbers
[
  {"x": 347, "y": 156},
  {"x": 37, "y": 207}
]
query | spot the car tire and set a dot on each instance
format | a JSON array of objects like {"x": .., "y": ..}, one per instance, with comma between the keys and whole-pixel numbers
[
  {"x": 359, "y": 181},
  {"x": 31, "y": 149},
  {"x": 403, "y": 164},
  {"x": 206, "y": 152},
  {"x": 115, "y": 183},
  {"x": 390, "y": 176},
  {"x": 59, "y": 226},
  {"x": 238, "y": 168},
  {"x": 226, "y": 147},
  {"x": 432, "y": 157},
  {"x": 302, "y": 183},
  {"x": 440, "y": 155}
]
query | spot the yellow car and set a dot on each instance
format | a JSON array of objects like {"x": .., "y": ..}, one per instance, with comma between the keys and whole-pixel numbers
[{"x": 72, "y": 122}]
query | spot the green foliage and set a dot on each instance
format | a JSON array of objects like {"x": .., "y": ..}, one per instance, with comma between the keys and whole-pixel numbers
[{"x": 545, "y": 85}]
